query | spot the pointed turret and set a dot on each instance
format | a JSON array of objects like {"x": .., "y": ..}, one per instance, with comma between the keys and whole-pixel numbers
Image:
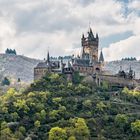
[
  {"x": 83, "y": 37},
  {"x": 97, "y": 37},
  {"x": 90, "y": 30},
  {"x": 48, "y": 57},
  {"x": 90, "y": 34},
  {"x": 61, "y": 64},
  {"x": 101, "y": 58}
]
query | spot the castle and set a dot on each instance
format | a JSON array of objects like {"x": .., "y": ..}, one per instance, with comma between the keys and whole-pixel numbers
[{"x": 87, "y": 64}]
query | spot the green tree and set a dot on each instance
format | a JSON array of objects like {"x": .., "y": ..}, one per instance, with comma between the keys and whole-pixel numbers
[
  {"x": 100, "y": 106},
  {"x": 135, "y": 126},
  {"x": 15, "y": 116},
  {"x": 22, "y": 129},
  {"x": 5, "y": 81},
  {"x": 105, "y": 85},
  {"x": 81, "y": 130},
  {"x": 37, "y": 124},
  {"x": 121, "y": 120},
  {"x": 72, "y": 138},
  {"x": 6, "y": 134},
  {"x": 87, "y": 103},
  {"x": 57, "y": 133},
  {"x": 20, "y": 104}
]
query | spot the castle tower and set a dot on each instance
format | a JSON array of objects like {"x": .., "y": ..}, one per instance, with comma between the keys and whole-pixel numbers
[
  {"x": 48, "y": 58},
  {"x": 90, "y": 46}
]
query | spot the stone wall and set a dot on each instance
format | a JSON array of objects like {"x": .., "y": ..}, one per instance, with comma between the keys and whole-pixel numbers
[
  {"x": 39, "y": 73},
  {"x": 114, "y": 80}
]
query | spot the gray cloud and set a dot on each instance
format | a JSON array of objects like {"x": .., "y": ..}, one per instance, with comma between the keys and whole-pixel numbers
[{"x": 31, "y": 26}]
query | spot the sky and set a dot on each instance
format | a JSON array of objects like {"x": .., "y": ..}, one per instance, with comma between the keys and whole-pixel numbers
[{"x": 33, "y": 27}]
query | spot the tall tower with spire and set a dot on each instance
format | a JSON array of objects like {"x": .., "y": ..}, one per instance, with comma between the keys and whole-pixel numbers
[
  {"x": 48, "y": 57},
  {"x": 90, "y": 46}
]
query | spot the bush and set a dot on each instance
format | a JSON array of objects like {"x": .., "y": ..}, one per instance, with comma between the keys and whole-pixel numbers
[{"x": 5, "y": 81}]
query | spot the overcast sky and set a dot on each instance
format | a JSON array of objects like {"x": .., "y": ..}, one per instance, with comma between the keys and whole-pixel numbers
[{"x": 33, "y": 26}]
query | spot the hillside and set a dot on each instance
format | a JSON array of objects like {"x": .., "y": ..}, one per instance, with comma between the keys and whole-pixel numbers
[
  {"x": 55, "y": 109},
  {"x": 114, "y": 66},
  {"x": 17, "y": 66}
]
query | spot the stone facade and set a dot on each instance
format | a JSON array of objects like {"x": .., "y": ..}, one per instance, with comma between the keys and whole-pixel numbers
[
  {"x": 89, "y": 62},
  {"x": 40, "y": 71}
]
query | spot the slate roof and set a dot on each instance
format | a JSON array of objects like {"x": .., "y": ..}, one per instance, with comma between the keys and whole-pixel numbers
[
  {"x": 82, "y": 62},
  {"x": 101, "y": 59},
  {"x": 42, "y": 65}
]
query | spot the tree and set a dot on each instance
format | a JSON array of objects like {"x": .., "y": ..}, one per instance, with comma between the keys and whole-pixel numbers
[
  {"x": 15, "y": 116},
  {"x": 100, "y": 106},
  {"x": 121, "y": 120},
  {"x": 135, "y": 126},
  {"x": 37, "y": 124},
  {"x": 19, "y": 80},
  {"x": 76, "y": 78},
  {"x": 87, "y": 103},
  {"x": 6, "y": 134},
  {"x": 5, "y": 81},
  {"x": 22, "y": 129},
  {"x": 57, "y": 133},
  {"x": 14, "y": 52},
  {"x": 21, "y": 105},
  {"x": 7, "y": 51},
  {"x": 72, "y": 138},
  {"x": 10, "y": 51},
  {"x": 105, "y": 85},
  {"x": 81, "y": 130}
]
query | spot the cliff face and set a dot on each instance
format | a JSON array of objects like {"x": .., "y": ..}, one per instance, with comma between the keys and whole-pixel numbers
[{"x": 16, "y": 66}]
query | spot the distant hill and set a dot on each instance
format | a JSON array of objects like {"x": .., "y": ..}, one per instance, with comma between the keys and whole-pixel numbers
[
  {"x": 114, "y": 66},
  {"x": 17, "y": 66}
]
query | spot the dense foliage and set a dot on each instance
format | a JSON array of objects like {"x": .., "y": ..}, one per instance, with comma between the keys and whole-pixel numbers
[
  {"x": 56, "y": 109},
  {"x": 5, "y": 81}
]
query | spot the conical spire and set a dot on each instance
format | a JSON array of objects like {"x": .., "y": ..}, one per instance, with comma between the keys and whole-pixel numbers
[
  {"x": 48, "y": 57},
  {"x": 83, "y": 37},
  {"x": 90, "y": 30},
  {"x": 101, "y": 58},
  {"x": 97, "y": 36}
]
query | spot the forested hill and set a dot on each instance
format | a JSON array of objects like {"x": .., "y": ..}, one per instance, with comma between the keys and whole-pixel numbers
[
  {"x": 56, "y": 109},
  {"x": 17, "y": 66}
]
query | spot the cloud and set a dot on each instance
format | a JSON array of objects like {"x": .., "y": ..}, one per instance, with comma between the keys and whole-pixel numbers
[
  {"x": 125, "y": 48},
  {"x": 134, "y": 5},
  {"x": 31, "y": 26}
]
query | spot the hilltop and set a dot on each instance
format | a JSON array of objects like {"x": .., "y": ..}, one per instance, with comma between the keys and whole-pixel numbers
[
  {"x": 114, "y": 66},
  {"x": 17, "y": 66}
]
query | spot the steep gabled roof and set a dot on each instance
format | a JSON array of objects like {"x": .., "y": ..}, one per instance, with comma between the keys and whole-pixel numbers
[{"x": 101, "y": 58}]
